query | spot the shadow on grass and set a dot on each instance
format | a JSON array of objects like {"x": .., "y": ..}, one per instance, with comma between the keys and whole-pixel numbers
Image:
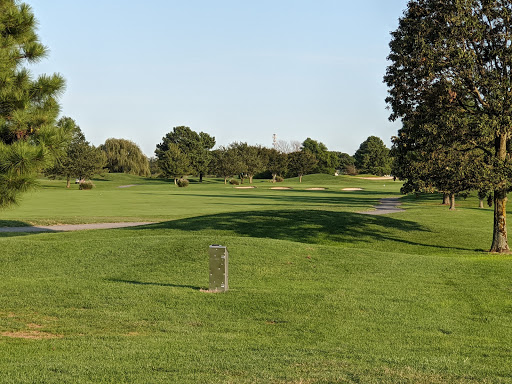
[
  {"x": 13, "y": 223},
  {"x": 312, "y": 227},
  {"x": 287, "y": 197},
  {"x": 134, "y": 282},
  {"x": 305, "y": 226}
]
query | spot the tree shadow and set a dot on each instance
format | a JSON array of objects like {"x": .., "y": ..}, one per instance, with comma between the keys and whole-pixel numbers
[
  {"x": 134, "y": 282},
  {"x": 13, "y": 223}
]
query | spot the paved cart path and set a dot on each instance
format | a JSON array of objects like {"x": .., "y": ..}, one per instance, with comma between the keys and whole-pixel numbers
[
  {"x": 72, "y": 227},
  {"x": 387, "y": 205}
]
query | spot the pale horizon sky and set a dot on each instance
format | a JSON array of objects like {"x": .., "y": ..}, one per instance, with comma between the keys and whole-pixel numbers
[{"x": 238, "y": 70}]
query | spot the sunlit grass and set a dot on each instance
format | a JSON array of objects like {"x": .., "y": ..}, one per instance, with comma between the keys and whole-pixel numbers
[{"x": 318, "y": 293}]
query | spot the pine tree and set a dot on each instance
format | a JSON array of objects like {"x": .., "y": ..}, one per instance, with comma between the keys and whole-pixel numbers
[{"x": 28, "y": 107}]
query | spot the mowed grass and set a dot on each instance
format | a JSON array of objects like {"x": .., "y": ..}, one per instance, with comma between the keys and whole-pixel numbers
[{"x": 318, "y": 293}]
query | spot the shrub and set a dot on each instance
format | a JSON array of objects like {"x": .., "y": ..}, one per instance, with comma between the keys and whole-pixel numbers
[
  {"x": 351, "y": 170},
  {"x": 279, "y": 179},
  {"x": 85, "y": 184},
  {"x": 234, "y": 182},
  {"x": 182, "y": 183}
]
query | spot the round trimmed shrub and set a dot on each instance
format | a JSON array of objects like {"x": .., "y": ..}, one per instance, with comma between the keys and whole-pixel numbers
[
  {"x": 234, "y": 182},
  {"x": 182, "y": 183},
  {"x": 85, "y": 184}
]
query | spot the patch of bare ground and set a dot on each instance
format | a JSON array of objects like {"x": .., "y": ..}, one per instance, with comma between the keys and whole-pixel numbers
[
  {"x": 32, "y": 335},
  {"x": 352, "y": 189},
  {"x": 127, "y": 186}
]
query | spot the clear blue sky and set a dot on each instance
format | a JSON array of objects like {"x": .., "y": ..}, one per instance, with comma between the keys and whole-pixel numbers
[{"x": 239, "y": 70}]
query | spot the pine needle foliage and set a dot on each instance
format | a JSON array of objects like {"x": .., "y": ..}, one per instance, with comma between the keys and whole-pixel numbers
[{"x": 28, "y": 106}]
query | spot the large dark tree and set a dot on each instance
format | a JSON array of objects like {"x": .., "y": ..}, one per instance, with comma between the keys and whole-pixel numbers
[
  {"x": 81, "y": 159},
  {"x": 460, "y": 53},
  {"x": 125, "y": 156},
  {"x": 301, "y": 163},
  {"x": 226, "y": 162},
  {"x": 195, "y": 146},
  {"x": 28, "y": 107},
  {"x": 326, "y": 161},
  {"x": 174, "y": 163},
  {"x": 373, "y": 157}
]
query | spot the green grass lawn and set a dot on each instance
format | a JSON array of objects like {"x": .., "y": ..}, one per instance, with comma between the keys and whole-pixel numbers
[{"x": 318, "y": 293}]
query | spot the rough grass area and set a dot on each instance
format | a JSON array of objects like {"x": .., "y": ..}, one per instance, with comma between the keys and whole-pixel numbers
[{"x": 318, "y": 293}]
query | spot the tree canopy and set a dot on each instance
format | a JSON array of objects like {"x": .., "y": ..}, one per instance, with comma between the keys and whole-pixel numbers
[
  {"x": 28, "y": 106},
  {"x": 125, "y": 156},
  {"x": 373, "y": 157},
  {"x": 195, "y": 146},
  {"x": 457, "y": 55}
]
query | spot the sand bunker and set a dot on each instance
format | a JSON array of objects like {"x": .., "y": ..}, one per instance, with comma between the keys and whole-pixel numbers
[
  {"x": 316, "y": 189},
  {"x": 352, "y": 189},
  {"x": 245, "y": 187},
  {"x": 127, "y": 186},
  {"x": 280, "y": 188}
]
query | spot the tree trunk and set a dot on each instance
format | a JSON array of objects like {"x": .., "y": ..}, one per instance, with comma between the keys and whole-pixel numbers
[
  {"x": 499, "y": 234},
  {"x": 68, "y": 182},
  {"x": 446, "y": 199},
  {"x": 452, "y": 202},
  {"x": 300, "y": 178},
  {"x": 499, "y": 237},
  {"x": 225, "y": 180},
  {"x": 175, "y": 181},
  {"x": 250, "y": 179},
  {"x": 274, "y": 177},
  {"x": 481, "y": 203}
]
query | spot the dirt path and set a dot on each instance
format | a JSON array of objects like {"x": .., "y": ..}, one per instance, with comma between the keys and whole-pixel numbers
[
  {"x": 387, "y": 205},
  {"x": 72, "y": 227}
]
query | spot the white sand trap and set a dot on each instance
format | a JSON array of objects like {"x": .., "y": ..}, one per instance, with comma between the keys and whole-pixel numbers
[
  {"x": 245, "y": 187},
  {"x": 280, "y": 188},
  {"x": 316, "y": 189},
  {"x": 352, "y": 189}
]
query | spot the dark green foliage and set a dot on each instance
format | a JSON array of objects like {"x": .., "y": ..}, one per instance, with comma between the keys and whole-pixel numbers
[
  {"x": 277, "y": 163},
  {"x": 125, "y": 156},
  {"x": 173, "y": 162},
  {"x": 457, "y": 57},
  {"x": 225, "y": 162},
  {"x": 373, "y": 157},
  {"x": 301, "y": 163},
  {"x": 279, "y": 179},
  {"x": 234, "y": 182},
  {"x": 252, "y": 159},
  {"x": 327, "y": 161},
  {"x": 195, "y": 146},
  {"x": 28, "y": 107},
  {"x": 81, "y": 159}
]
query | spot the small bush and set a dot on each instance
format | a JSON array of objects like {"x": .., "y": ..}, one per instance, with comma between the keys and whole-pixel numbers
[
  {"x": 86, "y": 184},
  {"x": 182, "y": 183},
  {"x": 279, "y": 179},
  {"x": 234, "y": 182},
  {"x": 351, "y": 170}
]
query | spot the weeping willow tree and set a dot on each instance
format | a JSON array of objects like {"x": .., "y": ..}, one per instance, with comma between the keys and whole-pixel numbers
[
  {"x": 29, "y": 138},
  {"x": 125, "y": 156}
]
